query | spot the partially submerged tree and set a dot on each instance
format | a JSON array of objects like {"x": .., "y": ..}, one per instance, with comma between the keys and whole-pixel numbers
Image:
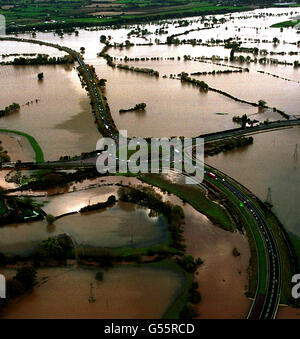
[{"x": 40, "y": 76}]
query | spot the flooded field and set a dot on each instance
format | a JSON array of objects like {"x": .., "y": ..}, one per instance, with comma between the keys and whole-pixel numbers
[
  {"x": 56, "y": 112},
  {"x": 220, "y": 271},
  {"x": 271, "y": 162},
  {"x": 17, "y": 147},
  {"x": 172, "y": 108},
  {"x": 119, "y": 226},
  {"x": 60, "y": 120},
  {"x": 182, "y": 108},
  {"x": 223, "y": 278},
  {"x": 125, "y": 292}
]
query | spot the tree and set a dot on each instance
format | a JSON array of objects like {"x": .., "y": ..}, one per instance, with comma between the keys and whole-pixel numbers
[
  {"x": 103, "y": 38},
  {"x": 26, "y": 276},
  {"x": 50, "y": 249},
  {"x": 99, "y": 276},
  {"x": 275, "y": 41},
  {"x": 50, "y": 219},
  {"x": 40, "y": 76},
  {"x": 262, "y": 103},
  {"x": 102, "y": 82},
  {"x": 232, "y": 54},
  {"x": 244, "y": 120},
  {"x": 82, "y": 50},
  {"x": 140, "y": 107},
  {"x": 14, "y": 288}
]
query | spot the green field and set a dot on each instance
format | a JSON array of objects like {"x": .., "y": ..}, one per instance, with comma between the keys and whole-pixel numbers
[
  {"x": 71, "y": 13},
  {"x": 194, "y": 197},
  {"x": 284, "y": 24}
]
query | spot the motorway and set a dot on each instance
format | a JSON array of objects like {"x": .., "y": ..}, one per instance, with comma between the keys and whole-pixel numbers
[
  {"x": 94, "y": 89},
  {"x": 210, "y": 137},
  {"x": 99, "y": 104},
  {"x": 265, "y": 304}
]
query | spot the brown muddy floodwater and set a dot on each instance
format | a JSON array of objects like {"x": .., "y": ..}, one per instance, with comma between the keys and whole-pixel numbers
[
  {"x": 123, "y": 225},
  {"x": 272, "y": 161},
  {"x": 223, "y": 278},
  {"x": 125, "y": 292},
  {"x": 17, "y": 147},
  {"x": 203, "y": 239},
  {"x": 172, "y": 108},
  {"x": 61, "y": 121}
]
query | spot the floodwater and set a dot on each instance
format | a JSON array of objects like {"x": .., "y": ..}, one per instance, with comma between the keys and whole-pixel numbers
[
  {"x": 61, "y": 120},
  {"x": 272, "y": 161},
  {"x": 172, "y": 108},
  {"x": 223, "y": 278},
  {"x": 121, "y": 225},
  {"x": 62, "y": 123},
  {"x": 125, "y": 292},
  {"x": 220, "y": 270}
]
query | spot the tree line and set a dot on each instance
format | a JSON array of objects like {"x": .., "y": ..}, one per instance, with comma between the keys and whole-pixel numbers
[{"x": 41, "y": 59}]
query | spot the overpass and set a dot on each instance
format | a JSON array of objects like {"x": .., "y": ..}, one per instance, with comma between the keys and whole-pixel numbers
[
  {"x": 263, "y": 127},
  {"x": 265, "y": 304}
]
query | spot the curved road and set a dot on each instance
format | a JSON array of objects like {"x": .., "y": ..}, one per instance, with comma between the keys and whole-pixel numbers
[{"x": 265, "y": 304}]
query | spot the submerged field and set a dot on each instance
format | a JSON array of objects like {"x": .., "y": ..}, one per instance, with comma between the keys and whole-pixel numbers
[
  {"x": 61, "y": 122},
  {"x": 125, "y": 292}
]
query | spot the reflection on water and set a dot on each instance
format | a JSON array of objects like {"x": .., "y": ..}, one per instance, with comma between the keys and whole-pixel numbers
[{"x": 118, "y": 226}]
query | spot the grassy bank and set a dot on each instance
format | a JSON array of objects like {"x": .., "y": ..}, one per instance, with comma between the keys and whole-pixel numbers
[
  {"x": 182, "y": 297},
  {"x": 286, "y": 253},
  {"x": 39, "y": 155},
  {"x": 259, "y": 267},
  {"x": 195, "y": 197},
  {"x": 126, "y": 252},
  {"x": 285, "y": 24},
  {"x": 295, "y": 242}
]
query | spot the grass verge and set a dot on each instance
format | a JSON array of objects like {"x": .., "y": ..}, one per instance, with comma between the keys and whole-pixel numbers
[
  {"x": 195, "y": 197},
  {"x": 285, "y": 24}
]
